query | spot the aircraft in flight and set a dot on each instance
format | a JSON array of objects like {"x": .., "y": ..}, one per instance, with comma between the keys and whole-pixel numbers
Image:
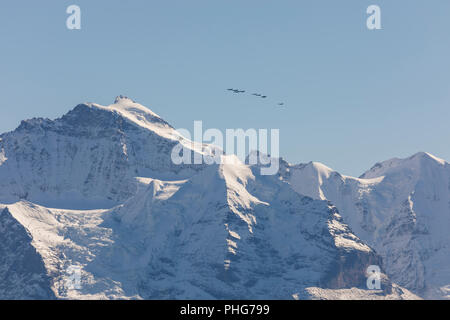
[{"x": 236, "y": 90}]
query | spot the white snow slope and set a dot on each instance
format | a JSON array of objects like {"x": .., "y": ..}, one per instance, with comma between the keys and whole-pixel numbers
[
  {"x": 401, "y": 208},
  {"x": 96, "y": 189}
]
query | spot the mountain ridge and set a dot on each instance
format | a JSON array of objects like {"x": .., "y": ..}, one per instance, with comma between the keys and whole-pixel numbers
[
  {"x": 97, "y": 188},
  {"x": 400, "y": 207}
]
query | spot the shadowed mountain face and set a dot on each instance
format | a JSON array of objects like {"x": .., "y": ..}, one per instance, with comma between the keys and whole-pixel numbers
[
  {"x": 22, "y": 271},
  {"x": 139, "y": 226}
]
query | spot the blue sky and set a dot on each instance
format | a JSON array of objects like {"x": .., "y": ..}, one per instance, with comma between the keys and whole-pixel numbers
[{"x": 354, "y": 96}]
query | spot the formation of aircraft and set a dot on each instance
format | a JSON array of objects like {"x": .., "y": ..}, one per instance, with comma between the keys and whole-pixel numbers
[{"x": 281, "y": 104}]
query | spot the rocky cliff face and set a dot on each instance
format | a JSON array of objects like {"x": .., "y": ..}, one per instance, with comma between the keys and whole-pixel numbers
[{"x": 22, "y": 271}]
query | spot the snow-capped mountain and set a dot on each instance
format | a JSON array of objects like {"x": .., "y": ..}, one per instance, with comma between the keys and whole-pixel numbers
[
  {"x": 97, "y": 190},
  {"x": 401, "y": 208},
  {"x": 89, "y": 158}
]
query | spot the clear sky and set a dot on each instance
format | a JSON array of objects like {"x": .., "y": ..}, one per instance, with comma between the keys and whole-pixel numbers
[{"x": 353, "y": 96}]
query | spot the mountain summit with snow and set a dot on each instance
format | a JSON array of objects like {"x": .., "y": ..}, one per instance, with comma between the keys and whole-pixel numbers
[
  {"x": 96, "y": 191},
  {"x": 401, "y": 208}
]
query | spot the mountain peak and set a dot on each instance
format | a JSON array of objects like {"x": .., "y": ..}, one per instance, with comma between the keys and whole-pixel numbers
[
  {"x": 428, "y": 156},
  {"x": 415, "y": 162},
  {"x": 122, "y": 98},
  {"x": 132, "y": 112},
  {"x": 321, "y": 168}
]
